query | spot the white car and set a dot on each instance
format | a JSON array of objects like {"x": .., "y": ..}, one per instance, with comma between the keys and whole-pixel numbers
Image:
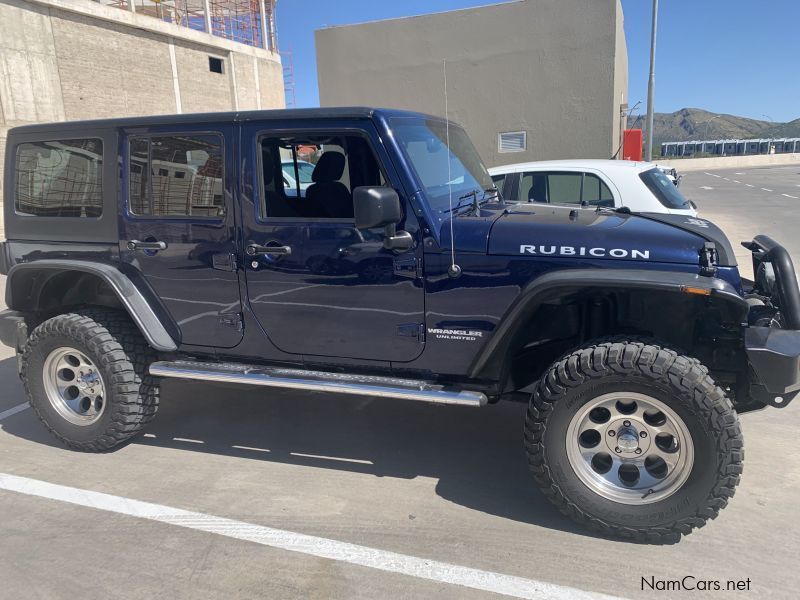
[
  {"x": 304, "y": 170},
  {"x": 638, "y": 186}
]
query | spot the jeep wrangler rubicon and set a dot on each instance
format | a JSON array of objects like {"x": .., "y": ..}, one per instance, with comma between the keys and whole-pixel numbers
[{"x": 176, "y": 246}]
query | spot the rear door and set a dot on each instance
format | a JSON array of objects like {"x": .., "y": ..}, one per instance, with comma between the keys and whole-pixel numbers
[{"x": 177, "y": 226}]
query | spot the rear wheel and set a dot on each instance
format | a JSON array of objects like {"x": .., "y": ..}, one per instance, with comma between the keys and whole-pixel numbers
[
  {"x": 634, "y": 440},
  {"x": 86, "y": 377}
]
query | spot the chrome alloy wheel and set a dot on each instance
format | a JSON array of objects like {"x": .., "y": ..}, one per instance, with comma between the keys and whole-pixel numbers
[
  {"x": 74, "y": 386},
  {"x": 630, "y": 448}
]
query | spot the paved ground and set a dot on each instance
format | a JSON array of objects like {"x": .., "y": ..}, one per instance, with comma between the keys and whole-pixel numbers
[
  {"x": 745, "y": 202},
  {"x": 444, "y": 484}
]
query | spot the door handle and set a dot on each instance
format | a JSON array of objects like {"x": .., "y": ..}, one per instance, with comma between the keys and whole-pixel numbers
[
  {"x": 137, "y": 245},
  {"x": 253, "y": 249}
]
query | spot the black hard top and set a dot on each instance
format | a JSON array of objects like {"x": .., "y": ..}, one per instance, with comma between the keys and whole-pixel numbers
[{"x": 344, "y": 112}]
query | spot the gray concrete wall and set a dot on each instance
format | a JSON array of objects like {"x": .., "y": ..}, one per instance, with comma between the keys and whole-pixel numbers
[
  {"x": 554, "y": 68},
  {"x": 730, "y": 162},
  {"x": 77, "y": 59}
]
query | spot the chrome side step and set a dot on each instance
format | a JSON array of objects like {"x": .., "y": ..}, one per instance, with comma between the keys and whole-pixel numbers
[{"x": 317, "y": 381}]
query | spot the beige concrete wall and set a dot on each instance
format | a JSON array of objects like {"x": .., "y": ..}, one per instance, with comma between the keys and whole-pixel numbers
[
  {"x": 77, "y": 59},
  {"x": 548, "y": 67},
  {"x": 730, "y": 162},
  {"x": 106, "y": 70},
  {"x": 200, "y": 89}
]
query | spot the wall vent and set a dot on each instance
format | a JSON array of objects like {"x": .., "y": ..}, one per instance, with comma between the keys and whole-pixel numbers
[{"x": 512, "y": 141}]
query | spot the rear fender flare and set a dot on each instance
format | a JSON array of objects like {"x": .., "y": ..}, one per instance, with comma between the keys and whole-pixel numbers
[{"x": 135, "y": 303}]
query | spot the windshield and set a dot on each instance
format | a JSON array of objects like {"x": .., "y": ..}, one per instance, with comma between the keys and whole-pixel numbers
[
  {"x": 424, "y": 142},
  {"x": 663, "y": 189},
  {"x": 305, "y": 169}
]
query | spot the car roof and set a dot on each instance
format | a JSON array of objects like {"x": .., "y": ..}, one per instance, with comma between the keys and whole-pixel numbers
[
  {"x": 342, "y": 112},
  {"x": 606, "y": 165}
]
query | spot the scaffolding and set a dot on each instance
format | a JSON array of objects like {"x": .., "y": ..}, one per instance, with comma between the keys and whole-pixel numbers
[
  {"x": 287, "y": 61},
  {"x": 250, "y": 22}
]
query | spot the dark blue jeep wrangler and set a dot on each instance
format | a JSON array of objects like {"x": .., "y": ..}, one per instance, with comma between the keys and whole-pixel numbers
[{"x": 193, "y": 247}]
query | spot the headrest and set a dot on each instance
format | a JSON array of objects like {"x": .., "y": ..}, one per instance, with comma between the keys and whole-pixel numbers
[{"x": 330, "y": 168}]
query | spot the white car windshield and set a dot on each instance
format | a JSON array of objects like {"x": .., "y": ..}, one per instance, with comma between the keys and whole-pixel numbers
[
  {"x": 304, "y": 169},
  {"x": 663, "y": 189}
]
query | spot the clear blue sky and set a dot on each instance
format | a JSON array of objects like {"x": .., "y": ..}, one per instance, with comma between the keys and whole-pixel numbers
[{"x": 733, "y": 56}]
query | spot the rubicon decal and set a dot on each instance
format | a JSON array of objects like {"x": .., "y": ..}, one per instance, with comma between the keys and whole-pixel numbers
[
  {"x": 584, "y": 251},
  {"x": 463, "y": 335}
]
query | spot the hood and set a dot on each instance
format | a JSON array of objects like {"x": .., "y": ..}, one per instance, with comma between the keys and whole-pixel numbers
[
  {"x": 702, "y": 227},
  {"x": 551, "y": 231}
]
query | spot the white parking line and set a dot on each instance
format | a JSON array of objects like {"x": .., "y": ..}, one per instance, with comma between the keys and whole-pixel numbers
[
  {"x": 766, "y": 189},
  {"x": 392, "y": 562},
  {"x": 749, "y": 185},
  {"x": 13, "y": 411},
  {"x": 734, "y": 181},
  {"x": 788, "y": 196},
  {"x": 706, "y": 187},
  {"x": 713, "y": 175},
  {"x": 323, "y": 457}
]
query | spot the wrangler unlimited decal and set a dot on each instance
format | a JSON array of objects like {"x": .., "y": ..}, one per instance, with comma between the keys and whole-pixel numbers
[
  {"x": 464, "y": 335},
  {"x": 583, "y": 251}
]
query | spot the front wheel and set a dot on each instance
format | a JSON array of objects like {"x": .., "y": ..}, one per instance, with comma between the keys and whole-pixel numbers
[{"x": 634, "y": 440}]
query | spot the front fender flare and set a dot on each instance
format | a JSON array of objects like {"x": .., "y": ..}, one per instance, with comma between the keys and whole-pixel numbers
[
  {"x": 128, "y": 294},
  {"x": 554, "y": 284}
]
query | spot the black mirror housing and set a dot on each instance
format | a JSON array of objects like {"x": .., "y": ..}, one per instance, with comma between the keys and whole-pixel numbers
[{"x": 375, "y": 206}]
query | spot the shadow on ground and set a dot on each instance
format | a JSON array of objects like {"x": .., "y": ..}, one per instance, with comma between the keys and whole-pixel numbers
[{"x": 475, "y": 454}]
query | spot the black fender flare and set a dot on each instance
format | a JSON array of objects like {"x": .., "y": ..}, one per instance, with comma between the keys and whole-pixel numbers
[
  {"x": 553, "y": 284},
  {"x": 128, "y": 294}
]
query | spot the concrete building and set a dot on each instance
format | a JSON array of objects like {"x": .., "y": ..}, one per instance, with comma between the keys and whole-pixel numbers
[
  {"x": 529, "y": 79},
  {"x": 79, "y": 59}
]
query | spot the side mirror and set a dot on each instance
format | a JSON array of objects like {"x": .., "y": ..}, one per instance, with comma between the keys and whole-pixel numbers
[
  {"x": 376, "y": 207},
  {"x": 380, "y": 207}
]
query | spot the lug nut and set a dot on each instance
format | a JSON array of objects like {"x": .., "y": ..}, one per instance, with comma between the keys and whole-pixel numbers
[
  {"x": 626, "y": 423},
  {"x": 638, "y": 451},
  {"x": 643, "y": 434},
  {"x": 612, "y": 433},
  {"x": 617, "y": 450}
]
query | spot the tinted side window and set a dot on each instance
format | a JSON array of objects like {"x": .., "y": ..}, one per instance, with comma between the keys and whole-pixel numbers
[
  {"x": 533, "y": 187},
  {"x": 313, "y": 177},
  {"x": 60, "y": 178},
  {"x": 176, "y": 176},
  {"x": 564, "y": 188},
  {"x": 596, "y": 192}
]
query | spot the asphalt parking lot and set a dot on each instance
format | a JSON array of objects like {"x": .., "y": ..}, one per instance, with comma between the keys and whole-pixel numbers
[
  {"x": 746, "y": 202},
  {"x": 447, "y": 485}
]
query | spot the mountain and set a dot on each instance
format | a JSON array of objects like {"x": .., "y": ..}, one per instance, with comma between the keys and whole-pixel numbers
[{"x": 698, "y": 124}]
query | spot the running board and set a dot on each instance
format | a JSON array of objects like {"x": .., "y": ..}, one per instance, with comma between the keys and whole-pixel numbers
[{"x": 317, "y": 381}]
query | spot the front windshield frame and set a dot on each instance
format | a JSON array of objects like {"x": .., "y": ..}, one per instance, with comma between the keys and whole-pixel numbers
[{"x": 467, "y": 173}]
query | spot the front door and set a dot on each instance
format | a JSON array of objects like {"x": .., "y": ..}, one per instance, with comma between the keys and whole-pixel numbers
[
  {"x": 319, "y": 286},
  {"x": 178, "y": 227}
]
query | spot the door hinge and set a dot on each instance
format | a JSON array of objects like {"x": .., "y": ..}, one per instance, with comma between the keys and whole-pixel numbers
[
  {"x": 224, "y": 261},
  {"x": 408, "y": 267},
  {"x": 234, "y": 320},
  {"x": 415, "y": 330}
]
